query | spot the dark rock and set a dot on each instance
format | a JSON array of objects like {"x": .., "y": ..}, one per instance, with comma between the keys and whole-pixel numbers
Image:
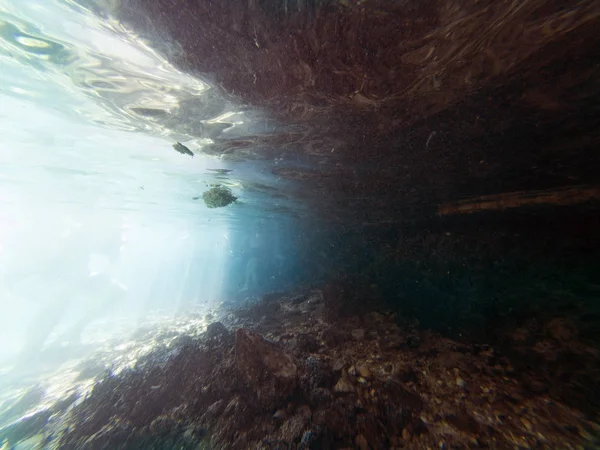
[
  {"x": 402, "y": 397},
  {"x": 318, "y": 373},
  {"x": 216, "y": 329},
  {"x": 268, "y": 307},
  {"x": 405, "y": 374},
  {"x": 343, "y": 386},
  {"x": 309, "y": 441},
  {"x": 536, "y": 386},
  {"x": 333, "y": 337},
  {"x": 464, "y": 422},
  {"x": 279, "y": 415},
  {"x": 307, "y": 343},
  {"x": 215, "y": 409},
  {"x": 320, "y": 396},
  {"x": 294, "y": 427},
  {"x": 268, "y": 372},
  {"x": 300, "y": 298},
  {"x": 413, "y": 341}
]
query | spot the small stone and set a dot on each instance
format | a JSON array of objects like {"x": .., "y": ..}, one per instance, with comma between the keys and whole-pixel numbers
[
  {"x": 343, "y": 386},
  {"x": 320, "y": 396},
  {"x": 361, "y": 380},
  {"x": 216, "y": 329},
  {"x": 358, "y": 334},
  {"x": 308, "y": 440},
  {"x": 337, "y": 365},
  {"x": 364, "y": 371},
  {"x": 406, "y": 434},
  {"x": 361, "y": 442},
  {"x": 352, "y": 371},
  {"x": 461, "y": 383},
  {"x": 279, "y": 415}
]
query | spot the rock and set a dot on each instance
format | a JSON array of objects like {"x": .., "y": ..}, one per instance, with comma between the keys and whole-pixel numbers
[
  {"x": 292, "y": 344},
  {"x": 461, "y": 383},
  {"x": 215, "y": 409},
  {"x": 394, "y": 342},
  {"x": 363, "y": 371},
  {"x": 216, "y": 329},
  {"x": 403, "y": 397},
  {"x": 307, "y": 343},
  {"x": 318, "y": 373},
  {"x": 334, "y": 337},
  {"x": 561, "y": 330},
  {"x": 308, "y": 440},
  {"x": 536, "y": 386},
  {"x": 406, "y": 374},
  {"x": 267, "y": 306},
  {"x": 374, "y": 319},
  {"x": 293, "y": 427},
  {"x": 268, "y": 371},
  {"x": 406, "y": 434},
  {"x": 297, "y": 299},
  {"x": 279, "y": 415},
  {"x": 320, "y": 396},
  {"x": 337, "y": 365},
  {"x": 343, "y": 386},
  {"x": 358, "y": 334}
]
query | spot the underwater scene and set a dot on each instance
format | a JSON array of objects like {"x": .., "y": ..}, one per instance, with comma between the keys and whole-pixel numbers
[{"x": 299, "y": 224}]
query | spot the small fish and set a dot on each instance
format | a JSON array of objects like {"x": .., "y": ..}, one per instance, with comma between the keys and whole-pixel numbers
[{"x": 180, "y": 148}]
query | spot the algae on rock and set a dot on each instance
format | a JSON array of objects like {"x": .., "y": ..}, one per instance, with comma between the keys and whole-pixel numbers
[{"x": 218, "y": 197}]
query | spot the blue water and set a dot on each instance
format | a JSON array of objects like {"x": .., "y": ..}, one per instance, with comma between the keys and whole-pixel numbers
[{"x": 102, "y": 224}]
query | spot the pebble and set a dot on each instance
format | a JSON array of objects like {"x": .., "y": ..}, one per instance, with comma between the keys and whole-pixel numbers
[
  {"x": 364, "y": 371},
  {"x": 527, "y": 423},
  {"x": 279, "y": 414},
  {"x": 337, "y": 365},
  {"x": 216, "y": 329},
  {"x": 343, "y": 385},
  {"x": 461, "y": 383},
  {"x": 406, "y": 434}
]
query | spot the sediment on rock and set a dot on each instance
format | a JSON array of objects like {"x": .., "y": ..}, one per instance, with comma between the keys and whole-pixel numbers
[{"x": 297, "y": 380}]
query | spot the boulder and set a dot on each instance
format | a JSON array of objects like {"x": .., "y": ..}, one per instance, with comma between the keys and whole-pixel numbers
[{"x": 267, "y": 372}]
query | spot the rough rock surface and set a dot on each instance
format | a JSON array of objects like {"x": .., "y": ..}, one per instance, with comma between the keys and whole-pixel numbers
[
  {"x": 383, "y": 392},
  {"x": 269, "y": 372}
]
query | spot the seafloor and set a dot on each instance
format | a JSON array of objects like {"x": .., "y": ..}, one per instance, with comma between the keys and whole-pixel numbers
[{"x": 305, "y": 371}]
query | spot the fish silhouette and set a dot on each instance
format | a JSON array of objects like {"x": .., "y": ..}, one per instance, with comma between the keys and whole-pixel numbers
[{"x": 180, "y": 148}]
